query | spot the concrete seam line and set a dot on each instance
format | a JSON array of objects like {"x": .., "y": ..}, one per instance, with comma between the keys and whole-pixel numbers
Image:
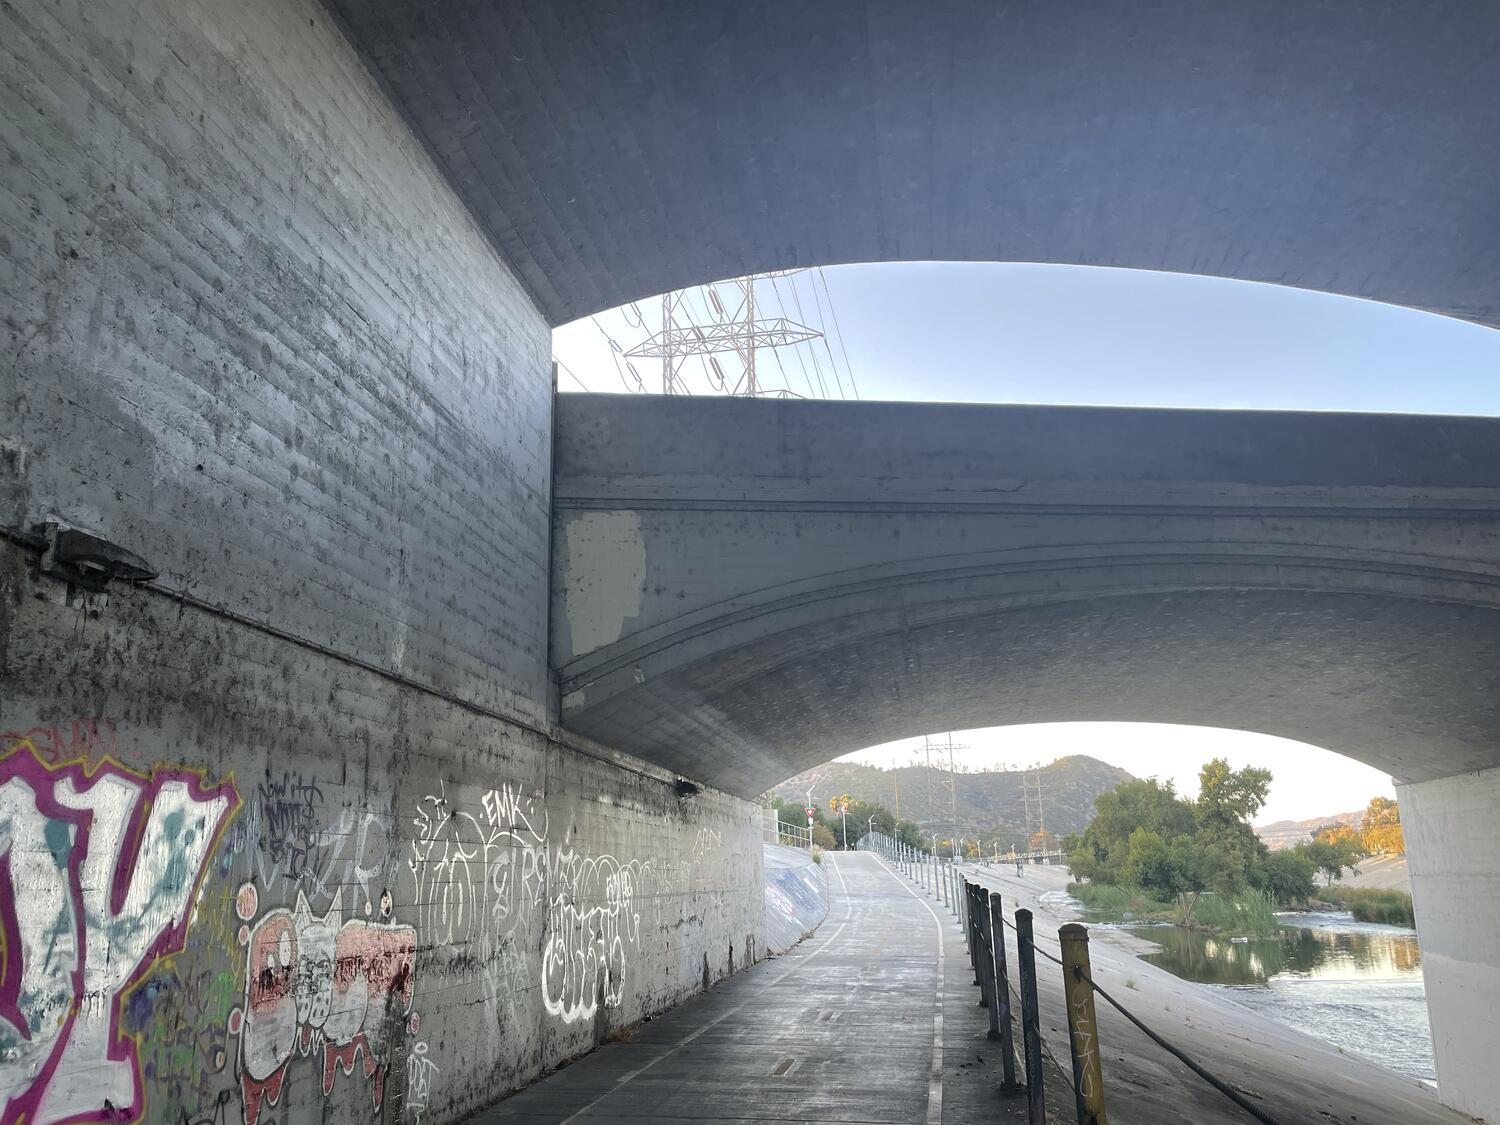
[
  {"x": 632, "y": 1074},
  {"x": 552, "y": 734},
  {"x": 935, "y": 1071}
]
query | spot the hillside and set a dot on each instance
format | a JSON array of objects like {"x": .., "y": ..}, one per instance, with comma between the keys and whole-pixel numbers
[
  {"x": 987, "y": 801},
  {"x": 1288, "y": 833}
]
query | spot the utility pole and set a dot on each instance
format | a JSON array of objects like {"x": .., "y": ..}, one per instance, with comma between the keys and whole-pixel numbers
[
  {"x": 931, "y": 817},
  {"x": 953, "y": 793}
]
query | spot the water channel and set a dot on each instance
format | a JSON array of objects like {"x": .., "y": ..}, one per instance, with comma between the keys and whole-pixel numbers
[{"x": 1356, "y": 985}]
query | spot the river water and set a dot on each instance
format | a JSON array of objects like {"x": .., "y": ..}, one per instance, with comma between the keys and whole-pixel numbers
[{"x": 1356, "y": 985}]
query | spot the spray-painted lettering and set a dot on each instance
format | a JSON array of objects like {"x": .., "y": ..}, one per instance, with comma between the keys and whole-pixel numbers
[{"x": 98, "y": 870}]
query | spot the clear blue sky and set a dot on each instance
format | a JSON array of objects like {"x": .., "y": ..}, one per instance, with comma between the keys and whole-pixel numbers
[{"x": 963, "y": 332}]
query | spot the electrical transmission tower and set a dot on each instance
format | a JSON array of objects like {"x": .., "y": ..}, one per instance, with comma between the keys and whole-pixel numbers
[
  {"x": 738, "y": 331},
  {"x": 1031, "y": 790}
]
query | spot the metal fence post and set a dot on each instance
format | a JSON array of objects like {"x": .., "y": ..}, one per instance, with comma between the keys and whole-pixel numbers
[
  {"x": 1031, "y": 1030},
  {"x": 1000, "y": 1006},
  {"x": 1083, "y": 1029},
  {"x": 976, "y": 945}
]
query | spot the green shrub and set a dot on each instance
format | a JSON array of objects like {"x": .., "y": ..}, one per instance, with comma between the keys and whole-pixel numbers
[
  {"x": 1112, "y": 903},
  {"x": 1369, "y": 904},
  {"x": 1251, "y": 913}
]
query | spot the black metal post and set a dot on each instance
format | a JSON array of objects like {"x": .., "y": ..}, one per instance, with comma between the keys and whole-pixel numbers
[
  {"x": 1031, "y": 1029},
  {"x": 982, "y": 952},
  {"x": 977, "y": 955},
  {"x": 1000, "y": 1006}
]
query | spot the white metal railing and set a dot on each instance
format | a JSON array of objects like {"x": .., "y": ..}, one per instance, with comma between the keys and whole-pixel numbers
[{"x": 777, "y": 831}]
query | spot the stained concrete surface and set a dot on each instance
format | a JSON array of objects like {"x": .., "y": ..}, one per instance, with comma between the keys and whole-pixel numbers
[
  {"x": 796, "y": 896},
  {"x": 820, "y": 577},
  {"x": 843, "y": 1029},
  {"x": 847, "y": 1020}
]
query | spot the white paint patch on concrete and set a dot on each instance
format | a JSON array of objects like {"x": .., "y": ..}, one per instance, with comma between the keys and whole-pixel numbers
[
  {"x": 1452, "y": 838},
  {"x": 606, "y": 574}
]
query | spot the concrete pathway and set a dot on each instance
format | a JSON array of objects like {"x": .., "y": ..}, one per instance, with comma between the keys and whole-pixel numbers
[{"x": 872, "y": 1019}]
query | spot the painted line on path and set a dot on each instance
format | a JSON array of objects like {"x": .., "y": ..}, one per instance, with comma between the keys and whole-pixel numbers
[
  {"x": 935, "y": 1071},
  {"x": 638, "y": 1071}
]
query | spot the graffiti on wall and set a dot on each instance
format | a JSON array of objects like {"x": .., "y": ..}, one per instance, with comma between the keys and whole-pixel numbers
[
  {"x": 591, "y": 919},
  {"x": 318, "y": 986},
  {"x": 475, "y": 871},
  {"x": 99, "y": 867},
  {"x": 292, "y": 839},
  {"x": 491, "y": 886}
]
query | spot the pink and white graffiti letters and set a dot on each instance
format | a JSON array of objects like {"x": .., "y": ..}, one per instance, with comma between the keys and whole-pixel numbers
[
  {"x": 99, "y": 867},
  {"x": 321, "y": 987}
]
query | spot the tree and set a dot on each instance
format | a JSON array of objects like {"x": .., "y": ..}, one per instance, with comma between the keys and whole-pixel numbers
[
  {"x": 1104, "y": 848},
  {"x": 1228, "y": 796},
  {"x": 840, "y": 806},
  {"x": 823, "y": 838},
  {"x": 910, "y": 834},
  {"x": 1287, "y": 876},
  {"x": 1228, "y": 799},
  {"x": 1333, "y": 850},
  {"x": 1380, "y": 830},
  {"x": 1042, "y": 841}
]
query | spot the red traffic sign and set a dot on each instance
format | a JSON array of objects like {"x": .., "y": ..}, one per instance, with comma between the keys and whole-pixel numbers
[{"x": 809, "y": 813}]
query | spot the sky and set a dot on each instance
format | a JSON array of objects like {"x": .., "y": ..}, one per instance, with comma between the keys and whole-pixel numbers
[
  {"x": 987, "y": 332},
  {"x": 1306, "y": 782}
]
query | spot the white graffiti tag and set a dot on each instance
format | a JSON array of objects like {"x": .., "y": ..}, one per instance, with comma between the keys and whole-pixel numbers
[{"x": 102, "y": 871}]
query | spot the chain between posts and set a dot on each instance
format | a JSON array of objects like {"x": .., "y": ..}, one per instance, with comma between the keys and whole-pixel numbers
[{"x": 983, "y": 932}]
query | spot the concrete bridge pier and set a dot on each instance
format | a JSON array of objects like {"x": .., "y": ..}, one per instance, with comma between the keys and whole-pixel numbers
[{"x": 1452, "y": 827}]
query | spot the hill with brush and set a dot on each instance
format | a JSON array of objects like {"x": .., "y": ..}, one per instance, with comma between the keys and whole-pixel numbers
[{"x": 989, "y": 802}]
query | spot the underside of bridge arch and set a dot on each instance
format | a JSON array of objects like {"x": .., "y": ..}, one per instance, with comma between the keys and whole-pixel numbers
[
  {"x": 1407, "y": 686},
  {"x": 744, "y": 589},
  {"x": 616, "y": 151}
]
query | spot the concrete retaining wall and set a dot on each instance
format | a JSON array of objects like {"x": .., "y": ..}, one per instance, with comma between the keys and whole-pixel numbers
[
  {"x": 1452, "y": 839},
  {"x": 302, "y": 845},
  {"x": 250, "y": 883},
  {"x": 796, "y": 896}
]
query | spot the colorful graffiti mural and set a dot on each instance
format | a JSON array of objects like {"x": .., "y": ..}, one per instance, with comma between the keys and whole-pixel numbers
[
  {"x": 99, "y": 867},
  {"x": 318, "y": 986},
  {"x": 296, "y": 949}
]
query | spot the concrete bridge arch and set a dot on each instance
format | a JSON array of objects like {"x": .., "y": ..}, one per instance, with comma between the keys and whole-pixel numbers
[
  {"x": 746, "y": 588},
  {"x": 743, "y": 589},
  {"x": 615, "y": 154},
  {"x": 278, "y": 293}
]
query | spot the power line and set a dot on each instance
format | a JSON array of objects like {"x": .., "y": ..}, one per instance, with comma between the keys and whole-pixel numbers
[
  {"x": 848, "y": 367},
  {"x": 740, "y": 332}
]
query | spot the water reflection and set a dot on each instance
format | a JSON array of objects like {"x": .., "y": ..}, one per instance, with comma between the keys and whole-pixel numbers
[
  {"x": 1352, "y": 984},
  {"x": 1328, "y": 948}
]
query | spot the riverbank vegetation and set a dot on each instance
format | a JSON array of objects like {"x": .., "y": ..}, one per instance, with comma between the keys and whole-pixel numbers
[
  {"x": 1147, "y": 845},
  {"x": 1150, "y": 855},
  {"x": 1371, "y": 904}
]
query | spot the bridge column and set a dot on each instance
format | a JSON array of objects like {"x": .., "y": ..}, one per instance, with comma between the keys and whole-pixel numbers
[{"x": 1453, "y": 841}]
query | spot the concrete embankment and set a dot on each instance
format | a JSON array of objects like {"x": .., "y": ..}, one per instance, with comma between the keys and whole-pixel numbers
[
  {"x": 1293, "y": 1077},
  {"x": 796, "y": 896}
]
